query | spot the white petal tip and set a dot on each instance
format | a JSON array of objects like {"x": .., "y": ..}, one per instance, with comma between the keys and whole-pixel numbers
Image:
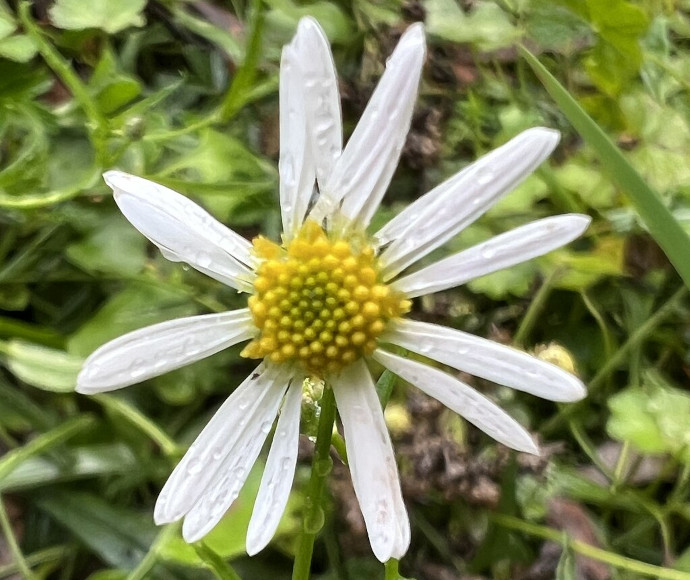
[
  {"x": 580, "y": 221},
  {"x": 550, "y": 137},
  {"x": 528, "y": 447},
  {"x": 83, "y": 389},
  {"x": 254, "y": 546},
  {"x": 193, "y": 535},
  {"x": 573, "y": 392},
  {"x": 115, "y": 179}
]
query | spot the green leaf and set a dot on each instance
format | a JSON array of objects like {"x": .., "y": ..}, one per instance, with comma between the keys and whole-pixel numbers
[
  {"x": 652, "y": 419},
  {"x": 119, "y": 536},
  {"x": 46, "y": 368},
  {"x": 108, "y": 15},
  {"x": 486, "y": 26},
  {"x": 19, "y": 48},
  {"x": 97, "y": 253},
  {"x": 75, "y": 463},
  {"x": 137, "y": 306}
]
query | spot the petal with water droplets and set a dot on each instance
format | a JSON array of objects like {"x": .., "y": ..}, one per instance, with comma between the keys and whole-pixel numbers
[
  {"x": 157, "y": 349},
  {"x": 279, "y": 472},
  {"x": 372, "y": 462},
  {"x": 462, "y": 399},
  {"x": 223, "y": 442},
  {"x": 450, "y": 207},
  {"x": 487, "y": 359},
  {"x": 362, "y": 173},
  {"x": 321, "y": 96},
  {"x": 513, "y": 247},
  {"x": 296, "y": 163},
  {"x": 226, "y": 484},
  {"x": 182, "y": 230}
]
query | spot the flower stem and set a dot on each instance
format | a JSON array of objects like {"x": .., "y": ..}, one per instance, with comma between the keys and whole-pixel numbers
[{"x": 320, "y": 468}]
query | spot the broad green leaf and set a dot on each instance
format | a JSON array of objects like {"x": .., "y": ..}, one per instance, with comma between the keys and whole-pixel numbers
[
  {"x": 284, "y": 14},
  {"x": 108, "y": 15},
  {"x": 652, "y": 419},
  {"x": 580, "y": 270},
  {"x": 46, "y": 368},
  {"x": 486, "y": 26},
  {"x": 19, "y": 48},
  {"x": 113, "y": 247}
]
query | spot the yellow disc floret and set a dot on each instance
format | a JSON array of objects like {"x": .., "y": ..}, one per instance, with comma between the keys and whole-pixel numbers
[{"x": 319, "y": 301}]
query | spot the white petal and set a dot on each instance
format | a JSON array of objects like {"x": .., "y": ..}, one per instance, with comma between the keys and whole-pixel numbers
[
  {"x": 513, "y": 247},
  {"x": 487, "y": 359},
  {"x": 450, "y": 207},
  {"x": 462, "y": 399},
  {"x": 372, "y": 462},
  {"x": 182, "y": 230},
  {"x": 157, "y": 349},
  {"x": 276, "y": 481},
  {"x": 222, "y": 441},
  {"x": 361, "y": 175},
  {"x": 239, "y": 459},
  {"x": 296, "y": 163},
  {"x": 321, "y": 95}
]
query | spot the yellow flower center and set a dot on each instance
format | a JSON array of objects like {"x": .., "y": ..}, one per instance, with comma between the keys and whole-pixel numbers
[{"x": 319, "y": 301}]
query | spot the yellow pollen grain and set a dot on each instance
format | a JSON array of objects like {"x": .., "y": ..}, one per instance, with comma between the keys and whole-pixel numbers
[{"x": 319, "y": 302}]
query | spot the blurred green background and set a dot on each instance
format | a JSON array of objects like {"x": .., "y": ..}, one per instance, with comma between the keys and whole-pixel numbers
[{"x": 185, "y": 93}]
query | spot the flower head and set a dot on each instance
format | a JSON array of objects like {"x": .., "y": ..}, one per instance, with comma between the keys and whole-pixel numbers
[{"x": 330, "y": 295}]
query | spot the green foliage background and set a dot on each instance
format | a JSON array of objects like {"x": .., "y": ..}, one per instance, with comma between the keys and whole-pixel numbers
[{"x": 185, "y": 93}]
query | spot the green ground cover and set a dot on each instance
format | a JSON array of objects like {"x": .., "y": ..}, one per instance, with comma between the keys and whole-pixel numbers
[{"x": 186, "y": 94}]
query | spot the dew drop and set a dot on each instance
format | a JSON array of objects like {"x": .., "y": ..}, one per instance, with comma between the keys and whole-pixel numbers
[
  {"x": 488, "y": 252},
  {"x": 484, "y": 175},
  {"x": 194, "y": 467},
  {"x": 266, "y": 427}
]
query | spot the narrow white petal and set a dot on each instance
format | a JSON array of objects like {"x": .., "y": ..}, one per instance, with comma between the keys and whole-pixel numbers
[
  {"x": 221, "y": 442},
  {"x": 239, "y": 459},
  {"x": 372, "y": 462},
  {"x": 513, "y": 247},
  {"x": 361, "y": 175},
  {"x": 487, "y": 359},
  {"x": 276, "y": 481},
  {"x": 450, "y": 207},
  {"x": 321, "y": 95},
  {"x": 182, "y": 230},
  {"x": 296, "y": 163},
  {"x": 157, "y": 349},
  {"x": 462, "y": 399}
]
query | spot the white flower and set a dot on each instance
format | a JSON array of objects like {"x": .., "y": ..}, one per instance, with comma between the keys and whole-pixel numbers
[{"x": 325, "y": 299}]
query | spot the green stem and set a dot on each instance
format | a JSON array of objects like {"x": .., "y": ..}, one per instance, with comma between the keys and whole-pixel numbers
[
  {"x": 43, "y": 443},
  {"x": 97, "y": 123},
  {"x": 535, "y": 308},
  {"x": 588, "y": 550},
  {"x": 149, "y": 561},
  {"x": 392, "y": 570},
  {"x": 218, "y": 565},
  {"x": 619, "y": 356},
  {"x": 13, "y": 545},
  {"x": 636, "y": 337},
  {"x": 47, "y": 556},
  {"x": 320, "y": 468},
  {"x": 141, "y": 422}
]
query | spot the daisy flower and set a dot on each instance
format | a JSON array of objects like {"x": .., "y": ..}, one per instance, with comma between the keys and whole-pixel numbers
[{"x": 330, "y": 295}]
